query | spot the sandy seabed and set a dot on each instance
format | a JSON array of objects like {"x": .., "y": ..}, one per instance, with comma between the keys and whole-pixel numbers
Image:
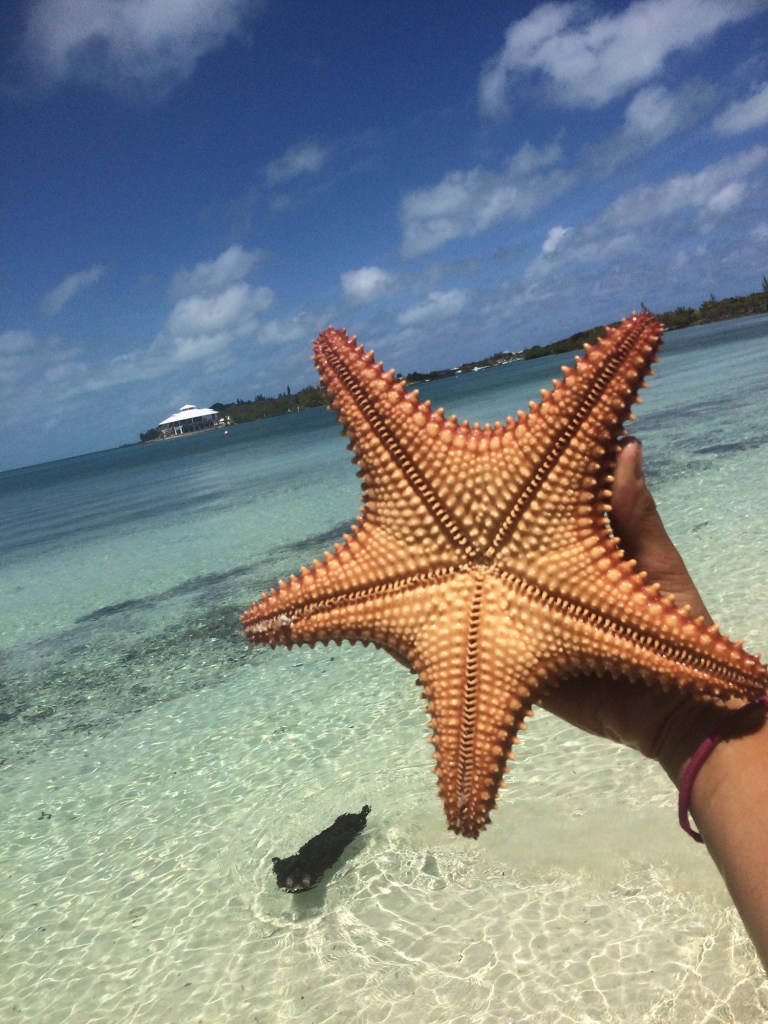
[
  {"x": 152, "y": 763},
  {"x": 137, "y": 882}
]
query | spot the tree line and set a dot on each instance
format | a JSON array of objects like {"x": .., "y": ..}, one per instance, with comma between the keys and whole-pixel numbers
[{"x": 710, "y": 311}]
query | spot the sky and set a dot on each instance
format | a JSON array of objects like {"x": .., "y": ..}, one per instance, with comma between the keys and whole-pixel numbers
[{"x": 191, "y": 190}]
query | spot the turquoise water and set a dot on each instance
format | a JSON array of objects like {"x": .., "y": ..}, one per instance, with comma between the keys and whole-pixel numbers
[{"x": 152, "y": 762}]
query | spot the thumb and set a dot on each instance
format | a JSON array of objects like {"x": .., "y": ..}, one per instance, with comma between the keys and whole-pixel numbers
[{"x": 636, "y": 521}]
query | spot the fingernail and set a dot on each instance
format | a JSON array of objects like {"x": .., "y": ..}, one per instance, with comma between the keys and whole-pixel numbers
[
  {"x": 635, "y": 442},
  {"x": 638, "y": 459}
]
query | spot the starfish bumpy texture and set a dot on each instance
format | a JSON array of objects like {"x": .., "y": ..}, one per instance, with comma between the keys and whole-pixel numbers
[{"x": 483, "y": 558}]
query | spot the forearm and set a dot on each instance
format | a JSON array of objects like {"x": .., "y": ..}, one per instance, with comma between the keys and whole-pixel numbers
[
  {"x": 729, "y": 803},
  {"x": 729, "y": 798}
]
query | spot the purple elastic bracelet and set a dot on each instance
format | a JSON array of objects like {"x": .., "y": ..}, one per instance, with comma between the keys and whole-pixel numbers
[{"x": 701, "y": 755}]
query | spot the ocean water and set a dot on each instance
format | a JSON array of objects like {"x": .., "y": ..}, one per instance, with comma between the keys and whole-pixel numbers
[{"x": 152, "y": 763}]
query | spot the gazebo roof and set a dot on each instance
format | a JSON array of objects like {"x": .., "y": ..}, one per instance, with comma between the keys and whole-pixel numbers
[{"x": 187, "y": 412}]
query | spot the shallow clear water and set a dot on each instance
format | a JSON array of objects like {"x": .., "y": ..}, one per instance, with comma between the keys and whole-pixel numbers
[{"x": 153, "y": 763}]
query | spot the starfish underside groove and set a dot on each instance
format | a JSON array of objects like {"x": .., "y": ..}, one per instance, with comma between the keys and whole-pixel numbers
[{"x": 483, "y": 558}]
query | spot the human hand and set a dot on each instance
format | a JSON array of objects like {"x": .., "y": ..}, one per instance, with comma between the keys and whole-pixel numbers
[
  {"x": 637, "y": 522},
  {"x": 665, "y": 725},
  {"x": 730, "y": 798}
]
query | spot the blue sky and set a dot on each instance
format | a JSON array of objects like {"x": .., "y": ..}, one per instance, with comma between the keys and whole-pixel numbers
[{"x": 193, "y": 189}]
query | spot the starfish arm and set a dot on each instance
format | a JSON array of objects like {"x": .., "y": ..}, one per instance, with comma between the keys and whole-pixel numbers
[
  {"x": 382, "y": 421},
  {"x": 623, "y": 626},
  {"x": 570, "y": 439},
  {"x": 478, "y": 674},
  {"x": 500, "y": 643},
  {"x": 425, "y": 477},
  {"x": 371, "y": 589}
]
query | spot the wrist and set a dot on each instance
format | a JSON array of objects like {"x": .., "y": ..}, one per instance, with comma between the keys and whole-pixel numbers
[
  {"x": 729, "y": 802},
  {"x": 742, "y": 723},
  {"x": 687, "y": 726}
]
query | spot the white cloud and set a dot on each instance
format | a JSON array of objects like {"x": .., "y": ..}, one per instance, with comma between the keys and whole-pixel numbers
[
  {"x": 638, "y": 237},
  {"x": 589, "y": 62},
  {"x": 651, "y": 112},
  {"x": 201, "y": 328},
  {"x": 210, "y": 276},
  {"x": 123, "y": 45},
  {"x": 15, "y": 349},
  {"x": 303, "y": 158},
  {"x": 466, "y": 203},
  {"x": 526, "y": 43},
  {"x": 714, "y": 189},
  {"x": 205, "y": 332},
  {"x": 13, "y": 342},
  {"x": 55, "y": 300},
  {"x": 437, "y": 306},
  {"x": 744, "y": 115},
  {"x": 726, "y": 198},
  {"x": 205, "y": 325},
  {"x": 214, "y": 310},
  {"x": 654, "y": 114},
  {"x": 301, "y": 326},
  {"x": 227, "y": 310},
  {"x": 366, "y": 284},
  {"x": 214, "y": 307},
  {"x": 32, "y": 368},
  {"x": 553, "y": 239}
]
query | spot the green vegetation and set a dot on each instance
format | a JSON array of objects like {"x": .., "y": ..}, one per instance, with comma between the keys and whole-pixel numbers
[
  {"x": 578, "y": 340},
  {"x": 242, "y": 411},
  {"x": 710, "y": 311},
  {"x": 718, "y": 309},
  {"x": 478, "y": 364}
]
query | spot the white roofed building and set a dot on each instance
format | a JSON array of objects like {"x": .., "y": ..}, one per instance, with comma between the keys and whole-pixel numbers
[{"x": 187, "y": 420}]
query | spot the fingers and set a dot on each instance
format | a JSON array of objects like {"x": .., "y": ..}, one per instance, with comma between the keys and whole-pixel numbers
[
  {"x": 638, "y": 525},
  {"x": 634, "y": 512},
  {"x": 638, "y": 716}
]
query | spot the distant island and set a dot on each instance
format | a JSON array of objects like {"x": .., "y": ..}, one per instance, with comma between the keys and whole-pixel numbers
[{"x": 710, "y": 311}]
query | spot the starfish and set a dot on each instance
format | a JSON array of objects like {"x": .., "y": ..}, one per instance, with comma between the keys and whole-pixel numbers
[{"x": 483, "y": 558}]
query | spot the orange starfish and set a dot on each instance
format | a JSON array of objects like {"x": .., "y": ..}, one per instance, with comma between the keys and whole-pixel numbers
[{"x": 483, "y": 558}]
